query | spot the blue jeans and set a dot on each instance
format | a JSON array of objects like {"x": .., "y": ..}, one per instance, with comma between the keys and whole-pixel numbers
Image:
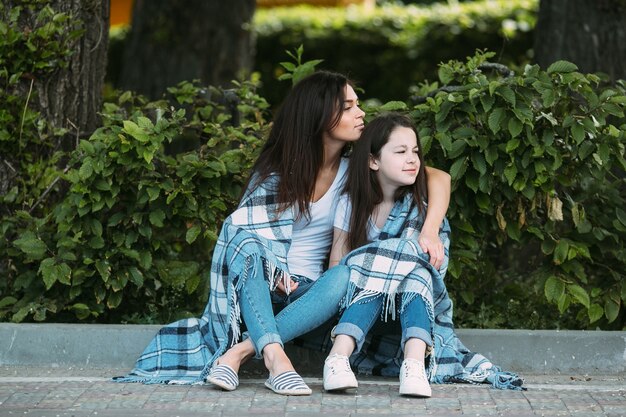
[
  {"x": 358, "y": 319},
  {"x": 311, "y": 305}
]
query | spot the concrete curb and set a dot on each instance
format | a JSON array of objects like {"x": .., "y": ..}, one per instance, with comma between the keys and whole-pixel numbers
[{"x": 101, "y": 346}]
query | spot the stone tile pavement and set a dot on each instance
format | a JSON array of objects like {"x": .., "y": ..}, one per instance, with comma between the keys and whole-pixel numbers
[{"x": 78, "y": 392}]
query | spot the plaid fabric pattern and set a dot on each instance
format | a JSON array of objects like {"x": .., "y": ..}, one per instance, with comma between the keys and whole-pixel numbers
[
  {"x": 396, "y": 266},
  {"x": 183, "y": 352}
]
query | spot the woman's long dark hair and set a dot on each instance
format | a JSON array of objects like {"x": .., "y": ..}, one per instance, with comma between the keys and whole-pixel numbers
[
  {"x": 294, "y": 149},
  {"x": 362, "y": 184}
]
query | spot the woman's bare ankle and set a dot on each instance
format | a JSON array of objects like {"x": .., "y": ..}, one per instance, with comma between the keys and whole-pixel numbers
[
  {"x": 276, "y": 360},
  {"x": 237, "y": 355}
]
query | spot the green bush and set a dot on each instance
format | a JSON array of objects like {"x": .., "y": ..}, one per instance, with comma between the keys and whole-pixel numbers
[
  {"x": 28, "y": 155},
  {"x": 122, "y": 228},
  {"x": 389, "y": 48},
  {"x": 132, "y": 239},
  {"x": 539, "y": 195}
]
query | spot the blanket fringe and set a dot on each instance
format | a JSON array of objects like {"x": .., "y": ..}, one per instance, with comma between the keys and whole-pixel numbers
[{"x": 152, "y": 380}]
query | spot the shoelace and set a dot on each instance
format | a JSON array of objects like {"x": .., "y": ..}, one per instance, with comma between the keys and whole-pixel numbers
[
  {"x": 338, "y": 361},
  {"x": 415, "y": 368}
]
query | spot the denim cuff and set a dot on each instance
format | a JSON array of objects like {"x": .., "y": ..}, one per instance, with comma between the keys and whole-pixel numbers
[
  {"x": 417, "y": 333},
  {"x": 353, "y": 331},
  {"x": 265, "y": 340}
]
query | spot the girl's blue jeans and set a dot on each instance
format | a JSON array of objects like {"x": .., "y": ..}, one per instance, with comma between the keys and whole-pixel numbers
[
  {"x": 359, "y": 318},
  {"x": 308, "y": 307}
]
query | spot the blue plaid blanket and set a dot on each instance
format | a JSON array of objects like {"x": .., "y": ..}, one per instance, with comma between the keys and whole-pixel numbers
[
  {"x": 396, "y": 266},
  {"x": 183, "y": 352}
]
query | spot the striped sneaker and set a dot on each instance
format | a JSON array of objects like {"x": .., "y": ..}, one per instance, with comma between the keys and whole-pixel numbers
[
  {"x": 288, "y": 383},
  {"x": 224, "y": 377}
]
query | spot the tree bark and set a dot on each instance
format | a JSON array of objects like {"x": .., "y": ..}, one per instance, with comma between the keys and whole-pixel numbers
[
  {"x": 591, "y": 34},
  {"x": 72, "y": 97},
  {"x": 171, "y": 41},
  {"x": 69, "y": 97}
]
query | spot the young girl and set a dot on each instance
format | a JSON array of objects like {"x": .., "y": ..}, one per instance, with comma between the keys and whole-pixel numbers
[
  {"x": 387, "y": 171},
  {"x": 380, "y": 219},
  {"x": 277, "y": 243}
]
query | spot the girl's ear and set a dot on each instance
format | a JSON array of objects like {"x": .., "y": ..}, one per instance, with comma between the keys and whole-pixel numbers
[{"x": 373, "y": 163}]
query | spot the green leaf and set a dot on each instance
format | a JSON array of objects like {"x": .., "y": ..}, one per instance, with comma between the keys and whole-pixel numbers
[
  {"x": 145, "y": 123},
  {"x": 458, "y": 168},
  {"x": 510, "y": 172},
  {"x": 621, "y": 215},
  {"x": 560, "y": 252},
  {"x": 86, "y": 146},
  {"x": 96, "y": 242},
  {"x": 114, "y": 299},
  {"x": 52, "y": 272},
  {"x": 145, "y": 260},
  {"x": 104, "y": 268},
  {"x": 487, "y": 101},
  {"x": 508, "y": 94},
  {"x": 611, "y": 309},
  {"x": 563, "y": 302},
  {"x": 495, "y": 119},
  {"x": 562, "y": 67},
  {"x": 156, "y": 217},
  {"x": 457, "y": 148},
  {"x": 512, "y": 144},
  {"x": 579, "y": 294},
  {"x": 192, "y": 233},
  {"x": 115, "y": 219},
  {"x": 81, "y": 310},
  {"x": 578, "y": 133},
  {"x": 585, "y": 149},
  {"x": 515, "y": 127},
  {"x": 554, "y": 288},
  {"x": 31, "y": 245},
  {"x": 446, "y": 75},
  {"x": 289, "y": 66},
  {"x": 595, "y": 312},
  {"x": 393, "y": 106},
  {"x": 135, "y": 131},
  {"x": 479, "y": 163},
  {"x": 86, "y": 169},
  {"x": 7, "y": 301},
  {"x": 136, "y": 277}
]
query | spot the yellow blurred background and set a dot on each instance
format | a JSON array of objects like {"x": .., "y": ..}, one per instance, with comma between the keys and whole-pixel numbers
[{"x": 121, "y": 9}]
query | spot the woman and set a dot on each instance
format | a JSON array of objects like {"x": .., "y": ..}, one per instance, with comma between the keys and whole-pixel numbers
[
  {"x": 277, "y": 241},
  {"x": 379, "y": 219}
]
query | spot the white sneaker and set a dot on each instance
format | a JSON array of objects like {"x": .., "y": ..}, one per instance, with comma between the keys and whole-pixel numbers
[
  {"x": 337, "y": 373},
  {"x": 413, "y": 380}
]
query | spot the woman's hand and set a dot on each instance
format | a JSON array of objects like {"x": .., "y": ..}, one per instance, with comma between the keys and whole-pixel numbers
[
  {"x": 432, "y": 245},
  {"x": 280, "y": 287}
]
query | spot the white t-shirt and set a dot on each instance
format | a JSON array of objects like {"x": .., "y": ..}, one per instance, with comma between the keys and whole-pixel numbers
[
  {"x": 342, "y": 219},
  {"x": 312, "y": 237}
]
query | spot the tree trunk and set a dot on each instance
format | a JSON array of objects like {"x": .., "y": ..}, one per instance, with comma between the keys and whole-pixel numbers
[
  {"x": 72, "y": 97},
  {"x": 591, "y": 34},
  {"x": 171, "y": 41},
  {"x": 69, "y": 97}
]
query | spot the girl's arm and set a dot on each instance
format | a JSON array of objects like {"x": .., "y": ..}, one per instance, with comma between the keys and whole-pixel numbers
[
  {"x": 339, "y": 248},
  {"x": 438, "y": 183}
]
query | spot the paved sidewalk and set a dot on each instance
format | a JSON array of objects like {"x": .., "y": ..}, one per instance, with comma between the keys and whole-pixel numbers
[{"x": 79, "y": 392}]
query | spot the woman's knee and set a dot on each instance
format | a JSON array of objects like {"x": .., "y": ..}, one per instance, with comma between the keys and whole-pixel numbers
[{"x": 336, "y": 281}]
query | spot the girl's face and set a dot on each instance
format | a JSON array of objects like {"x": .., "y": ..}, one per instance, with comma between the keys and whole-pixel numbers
[
  {"x": 398, "y": 163},
  {"x": 351, "y": 123}
]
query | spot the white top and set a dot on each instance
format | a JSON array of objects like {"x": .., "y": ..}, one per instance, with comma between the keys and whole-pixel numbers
[
  {"x": 312, "y": 237},
  {"x": 342, "y": 219}
]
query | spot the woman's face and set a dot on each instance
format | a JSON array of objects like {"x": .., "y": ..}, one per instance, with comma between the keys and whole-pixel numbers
[
  {"x": 351, "y": 123},
  {"x": 398, "y": 163}
]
